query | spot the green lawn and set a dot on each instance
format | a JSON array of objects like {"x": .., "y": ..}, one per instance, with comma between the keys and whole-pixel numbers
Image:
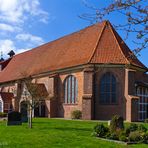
[{"x": 52, "y": 133}]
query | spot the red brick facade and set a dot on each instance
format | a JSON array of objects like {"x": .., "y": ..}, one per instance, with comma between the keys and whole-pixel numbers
[{"x": 86, "y": 56}]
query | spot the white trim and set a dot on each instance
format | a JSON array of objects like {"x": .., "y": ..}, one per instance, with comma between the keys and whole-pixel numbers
[
  {"x": 1, "y": 100},
  {"x": 142, "y": 92}
]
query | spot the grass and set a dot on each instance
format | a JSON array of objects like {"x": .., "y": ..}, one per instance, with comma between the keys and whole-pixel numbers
[{"x": 54, "y": 133}]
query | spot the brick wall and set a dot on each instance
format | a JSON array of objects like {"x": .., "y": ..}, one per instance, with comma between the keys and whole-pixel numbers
[
  {"x": 64, "y": 110},
  {"x": 105, "y": 112}
]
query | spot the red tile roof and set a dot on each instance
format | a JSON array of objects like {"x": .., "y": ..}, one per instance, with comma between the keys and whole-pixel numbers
[
  {"x": 98, "y": 43},
  {"x": 4, "y": 63}
]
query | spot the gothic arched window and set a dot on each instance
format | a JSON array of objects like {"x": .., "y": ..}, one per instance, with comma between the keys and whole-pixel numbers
[
  {"x": 70, "y": 90},
  {"x": 108, "y": 89}
]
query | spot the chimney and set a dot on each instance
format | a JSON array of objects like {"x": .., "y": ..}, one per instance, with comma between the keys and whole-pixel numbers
[{"x": 11, "y": 53}]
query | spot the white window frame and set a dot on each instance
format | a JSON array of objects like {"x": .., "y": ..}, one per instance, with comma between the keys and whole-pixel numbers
[
  {"x": 143, "y": 102},
  {"x": 1, "y": 100}
]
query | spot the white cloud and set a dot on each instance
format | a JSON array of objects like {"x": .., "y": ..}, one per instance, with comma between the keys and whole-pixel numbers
[
  {"x": 9, "y": 28},
  {"x": 6, "y": 46},
  {"x": 15, "y": 17},
  {"x": 5, "y": 27},
  {"x": 31, "y": 38},
  {"x": 21, "y": 50},
  {"x": 13, "y": 11}
]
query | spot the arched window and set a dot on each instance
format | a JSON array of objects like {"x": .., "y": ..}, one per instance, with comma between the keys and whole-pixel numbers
[
  {"x": 1, "y": 106},
  {"x": 108, "y": 89},
  {"x": 70, "y": 90}
]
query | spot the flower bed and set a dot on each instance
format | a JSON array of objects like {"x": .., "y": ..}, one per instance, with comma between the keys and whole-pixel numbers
[{"x": 134, "y": 133}]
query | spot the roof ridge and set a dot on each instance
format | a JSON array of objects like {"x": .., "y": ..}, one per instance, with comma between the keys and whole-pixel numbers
[
  {"x": 54, "y": 40},
  {"x": 112, "y": 31},
  {"x": 97, "y": 42}
]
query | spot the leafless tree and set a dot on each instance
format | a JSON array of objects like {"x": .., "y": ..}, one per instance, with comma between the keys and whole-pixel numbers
[
  {"x": 135, "y": 12},
  {"x": 33, "y": 94}
]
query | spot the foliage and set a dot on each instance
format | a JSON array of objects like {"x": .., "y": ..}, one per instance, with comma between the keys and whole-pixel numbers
[
  {"x": 76, "y": 114},
  {"x": 142, "y": 128},
  {"x": 122, "y": 136},
  {"x": 145, "y": 137},
  {"x": 131, "y": 128},
  {"x": 116, "y": 123},
  {"x": 135, "y": 136},
  {"x": 146, "y": 120},
  {"x": 14, "y": 116},
  {"x": 101, "y": 130},
  {"x": 3, "y": 114},
  {"x": 132, "y": 133},
  {"x": 114, "y": 136}
]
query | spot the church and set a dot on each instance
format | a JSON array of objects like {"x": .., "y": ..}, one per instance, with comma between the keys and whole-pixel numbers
[{"x": 91, "y": 70}]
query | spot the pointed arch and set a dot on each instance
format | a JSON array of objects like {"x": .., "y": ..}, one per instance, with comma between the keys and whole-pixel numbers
[
  {"x": 70, "y": 89},
  {"x": 108, "y": 89}
]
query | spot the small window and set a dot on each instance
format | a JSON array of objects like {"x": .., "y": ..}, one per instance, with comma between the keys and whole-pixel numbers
[
  {"x": 108, "y": 89},
  {"x": 70, "y": 90}
]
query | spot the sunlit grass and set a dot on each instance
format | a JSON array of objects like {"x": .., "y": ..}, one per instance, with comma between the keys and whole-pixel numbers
[{"x": 54, "y": 133}]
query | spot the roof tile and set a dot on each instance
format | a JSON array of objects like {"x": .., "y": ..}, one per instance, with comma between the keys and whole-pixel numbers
[{"x": 98, "y": 43}]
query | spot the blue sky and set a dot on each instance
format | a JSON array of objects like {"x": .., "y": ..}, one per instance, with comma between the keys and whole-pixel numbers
[{"x": 25, "y": 24}]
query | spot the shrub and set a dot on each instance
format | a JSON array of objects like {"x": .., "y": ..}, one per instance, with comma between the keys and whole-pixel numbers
[
  {"x": 122, "y": 136},
  {"x": 3, "y": 114},
  {"x": 135, "y": 136},
  {"x": 142, "y": 128},
  {"x": 146, "y": 120},
  {"x": 76, "y": 114},
  {"x": 101, "y": 130},
  {"x": 116, "y": 123},
  {"x": 114, "y": 136},
  {"x": 131, "y": 128},
  {"x": 145, "y": 137}
]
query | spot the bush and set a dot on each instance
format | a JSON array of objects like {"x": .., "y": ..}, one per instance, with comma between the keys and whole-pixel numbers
[
  {"x": 135, "y": 136},
  {"x": 116, "y": 123},
  {"x": 101, "y": 130},
  {"x": 122, "y": 136},
  {"x": 131, "y": 128},
  {"x": 114, "y": 136},
  {"x": 145, "y": 137},
  {"x": 142, "y": 128},
  {"x": 146, "y": 120},
  {"x": 3, "y": 114},
  {"x": 76, "y": 114}
]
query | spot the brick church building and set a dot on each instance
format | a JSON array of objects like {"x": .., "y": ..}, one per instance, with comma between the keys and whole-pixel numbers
[{"x": 91, "y": 70}]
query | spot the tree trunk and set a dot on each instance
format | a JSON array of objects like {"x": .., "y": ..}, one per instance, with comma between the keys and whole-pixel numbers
[{"x": 30, "y": 119}]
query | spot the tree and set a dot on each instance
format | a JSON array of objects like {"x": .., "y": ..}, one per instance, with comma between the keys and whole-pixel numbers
[
  {"x": 135, "y": 12},
  {"x": 33, "y": 94}
]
